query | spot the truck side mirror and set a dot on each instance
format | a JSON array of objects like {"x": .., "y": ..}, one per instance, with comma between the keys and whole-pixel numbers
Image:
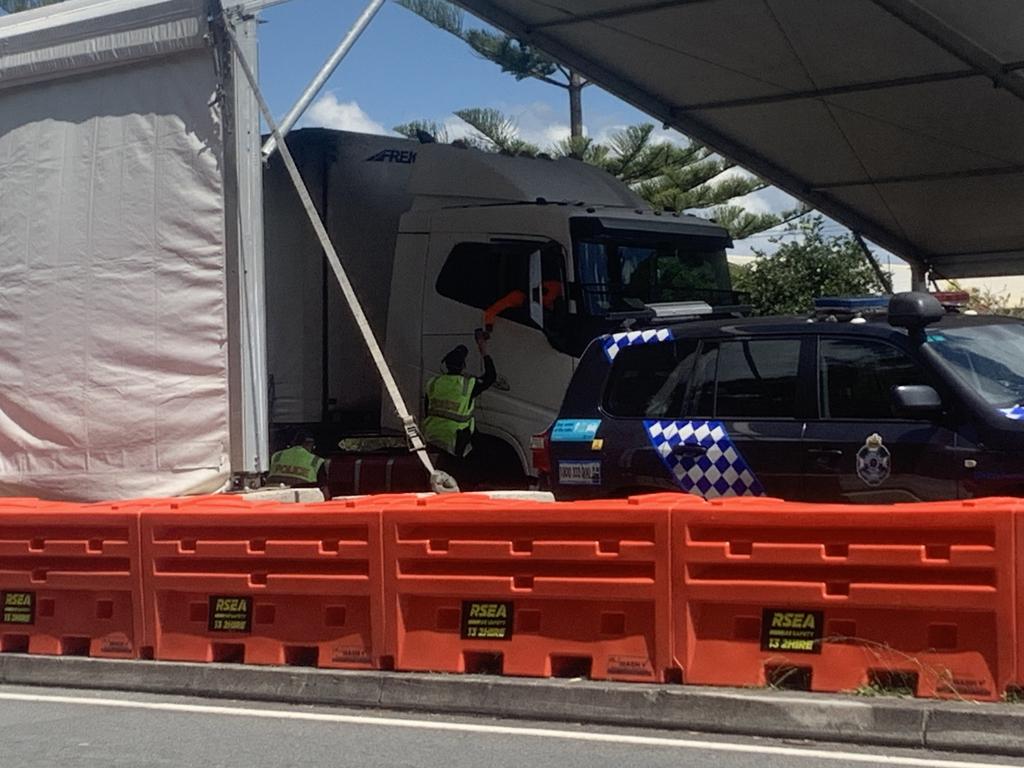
[
  {"x": 916, "y": 400},
  {"x": 536, "y": 292}
]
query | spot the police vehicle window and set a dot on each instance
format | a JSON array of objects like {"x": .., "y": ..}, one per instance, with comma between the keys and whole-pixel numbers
[
  {"x": 989, "y": 358},
  {"x": 650, "y": 380},
  {"x": 757, "y": 378},
  {"x": 702, "y": 397},
  {"x": 858, "y": 376},
  {"x": 497, "y": 275}
]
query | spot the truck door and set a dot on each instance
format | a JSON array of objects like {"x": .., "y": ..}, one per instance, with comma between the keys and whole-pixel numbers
[
  {"x": 522, "y": 283},
  {"x": 860, "y": 448}
]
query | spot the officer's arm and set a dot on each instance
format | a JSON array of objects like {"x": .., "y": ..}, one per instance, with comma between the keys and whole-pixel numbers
[{"x": 484, "y": 382}]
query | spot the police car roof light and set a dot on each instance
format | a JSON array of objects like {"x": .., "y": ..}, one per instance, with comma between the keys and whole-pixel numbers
[
  {"x": 955, "y": 299},
  {"x": 668, "y": 310}
]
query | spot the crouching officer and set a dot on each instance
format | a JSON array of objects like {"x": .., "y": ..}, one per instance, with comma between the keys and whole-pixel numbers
[
  {"x": 451, "y": 399},
  {"x": 298, "y": 467}
]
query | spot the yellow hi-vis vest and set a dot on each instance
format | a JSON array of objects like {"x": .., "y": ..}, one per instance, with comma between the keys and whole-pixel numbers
[
  {"x": 449, "y": 410},
  {"x": 295, "y": 464}
]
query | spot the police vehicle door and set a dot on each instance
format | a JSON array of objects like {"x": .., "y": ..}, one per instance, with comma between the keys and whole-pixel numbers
[
  {"x": 640, "y": 443},
  {"x": 861, "y": 447},
  {"x": 744, "y": 413}
]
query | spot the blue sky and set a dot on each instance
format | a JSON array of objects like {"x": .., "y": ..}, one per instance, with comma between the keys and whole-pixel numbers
[{"x": 402, "y": 69}]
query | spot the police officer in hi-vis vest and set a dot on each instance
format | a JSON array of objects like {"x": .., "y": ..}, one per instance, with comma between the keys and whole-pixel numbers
[
  {"x": 298, "y": 467},
  {"x": 451, "y": 398}
]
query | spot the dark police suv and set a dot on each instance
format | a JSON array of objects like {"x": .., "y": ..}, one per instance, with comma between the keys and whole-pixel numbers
[{"x": 913, "y": 403}]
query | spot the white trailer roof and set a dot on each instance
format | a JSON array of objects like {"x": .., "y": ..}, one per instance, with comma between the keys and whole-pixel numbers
[
  {"x": 900, "y": 118},
  {"x": 82, "y": 35}
]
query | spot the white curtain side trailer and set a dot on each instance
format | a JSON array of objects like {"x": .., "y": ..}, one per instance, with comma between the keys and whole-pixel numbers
[{"x": 132, "y": 357}]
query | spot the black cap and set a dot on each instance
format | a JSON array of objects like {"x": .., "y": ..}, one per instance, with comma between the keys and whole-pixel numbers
[
  {"x": 456, "y": 359},
  {"x": 302, "y": 436}
]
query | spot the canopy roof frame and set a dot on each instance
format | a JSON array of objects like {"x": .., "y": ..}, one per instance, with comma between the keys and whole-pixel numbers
[
  {"x": 677, "y": 116},
  {"x": 968, "y": 60},
  {"x": 943, "y": 35}
]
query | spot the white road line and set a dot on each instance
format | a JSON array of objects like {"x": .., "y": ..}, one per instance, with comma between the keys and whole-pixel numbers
[{"x": 504, "y": 730}]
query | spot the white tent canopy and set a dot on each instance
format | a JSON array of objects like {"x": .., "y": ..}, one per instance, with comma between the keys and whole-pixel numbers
[
  {"x": 900, "y": 118},
  {"x": 130, "y": 330}
]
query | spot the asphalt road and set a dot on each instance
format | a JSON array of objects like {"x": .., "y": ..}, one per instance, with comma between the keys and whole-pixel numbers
[{"x": 45, "y": 727}]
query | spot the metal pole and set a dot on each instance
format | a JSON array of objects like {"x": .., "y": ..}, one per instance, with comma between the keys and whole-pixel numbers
[
  {"x": 438, "y": 480},
  {"x": 321, "y": 77},
  {"x": 247, "y": 308},
  {"x": 883, "y": 278},
  {"x": 918, "y": 277},
  {"x": 254, "y": 6}
]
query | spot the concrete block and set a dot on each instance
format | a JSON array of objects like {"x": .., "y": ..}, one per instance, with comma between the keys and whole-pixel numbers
[{"x": 985, "y": 728}]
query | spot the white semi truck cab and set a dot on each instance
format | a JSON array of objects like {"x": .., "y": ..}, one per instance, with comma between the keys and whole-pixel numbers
[{"x": 433, "y": 236}]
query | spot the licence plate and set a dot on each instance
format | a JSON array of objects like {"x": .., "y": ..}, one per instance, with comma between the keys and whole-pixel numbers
[{"x": 579, "y": 472}]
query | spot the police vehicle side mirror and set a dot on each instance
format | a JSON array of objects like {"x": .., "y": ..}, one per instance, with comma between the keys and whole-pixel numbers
[
  {"x": 916, "y": 399},
  {"x": 914, "y": 310}
]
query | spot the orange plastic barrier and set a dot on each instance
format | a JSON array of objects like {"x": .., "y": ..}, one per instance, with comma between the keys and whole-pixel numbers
[
  {"x": 265, "y": 583},
  {"x": 530, "y": 588},
  {"x": 834, "y": 598},
  {"x": 69, "y": 579},
  {"x": 1018, "y": 519}
]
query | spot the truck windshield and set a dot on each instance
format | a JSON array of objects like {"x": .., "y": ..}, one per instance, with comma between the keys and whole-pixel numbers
[
  {"x": 616, "y": 274},
  {"x": 989, "y": 358}
]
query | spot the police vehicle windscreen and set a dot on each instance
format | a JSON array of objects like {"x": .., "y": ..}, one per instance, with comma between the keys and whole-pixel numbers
[
  {"x": 617, "y": 275},
  {"x": 989, "y": 358}
]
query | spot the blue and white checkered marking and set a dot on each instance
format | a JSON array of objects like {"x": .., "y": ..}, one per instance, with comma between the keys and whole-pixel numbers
[
  {"x": 721, "y": 471},
  {"x": 1016, "y": 413},
  {"x": 618, "y": 341}
]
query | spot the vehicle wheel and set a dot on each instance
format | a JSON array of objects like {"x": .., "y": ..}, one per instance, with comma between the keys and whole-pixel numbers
[{"x": 494, "y": 466}]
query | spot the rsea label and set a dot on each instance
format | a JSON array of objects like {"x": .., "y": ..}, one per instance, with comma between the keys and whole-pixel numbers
[
  {"x": 230, "y": 614},
  {"x": 792, "y": 631},
  {"x": 486, "y": 620},
  {"x": 18, "y": 608}
]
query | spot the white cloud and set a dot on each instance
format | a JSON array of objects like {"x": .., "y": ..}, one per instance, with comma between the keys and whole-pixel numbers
[
  {"x": 329, "y": 112},
  {"x": 756, "y": 202},
  {"x": 535, "y": 123},
  {"x": 542, "y": 124},
  {"x": 768, "y": 200},
  {"x": 538, "y": 122},
  {"x": 553, "y": 134},
  {"x": 734, "y": 172},
  {"x": 457, "y": 128},
  {"x": 605, "y": 133}
]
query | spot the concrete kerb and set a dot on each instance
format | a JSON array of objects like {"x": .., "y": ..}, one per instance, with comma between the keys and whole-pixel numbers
[
  {"x": 982, "y": 728},
  {"x": 747, "y": 712},
  {"x": 993, "y": 728}
]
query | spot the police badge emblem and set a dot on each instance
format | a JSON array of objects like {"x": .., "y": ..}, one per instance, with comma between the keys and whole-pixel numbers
[{"x": 873, "y": 464}]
